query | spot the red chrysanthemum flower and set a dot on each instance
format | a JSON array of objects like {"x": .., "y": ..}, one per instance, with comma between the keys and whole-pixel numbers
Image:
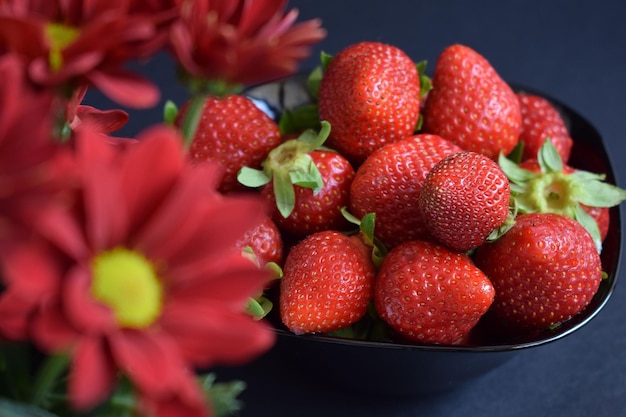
[
  {"x": 241, "y": 42},
  {"x": 70, "y": 43},
  {"x": 33, "y": 168},
  {"x": 150, "y": 283}
]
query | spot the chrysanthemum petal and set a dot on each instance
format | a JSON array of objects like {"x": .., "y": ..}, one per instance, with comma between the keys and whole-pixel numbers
[
  {"x": 150, "y": 359},
  {"x": 107, "y": 220},
  {"x": 51, "y": 331},
  {"x": 208, "y": 334},
  {"x": 126, "y": 88},
  {"x": 187, "y": 400},
  {"x": 227, "y": 278},
  {"x": 93, "y": 374},
  {"x": 85, "y": 313},
  {"x": 143, "y": 186}
]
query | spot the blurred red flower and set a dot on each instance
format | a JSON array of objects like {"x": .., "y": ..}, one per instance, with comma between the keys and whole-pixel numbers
[
  {"x": 150, "y": 283},
  {"x": 68, "y": 43},
  {"x": 33, "y": 169},
  {"x": 241, "y": 42}
]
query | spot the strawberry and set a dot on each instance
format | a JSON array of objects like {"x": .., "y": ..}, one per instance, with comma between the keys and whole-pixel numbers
[
  {"x": 327, "y": 283},
  {"x": 264, "y": 243},
  {"x": 464, "y": 198},
  {"x": 307, "y": 185},
  {"x": 318, "y": 209},
  {"x": 370, "y": 94},
  {"x": 470, "y": 104},
  {"x": 554, "y": 187},
  {"x": 389, "y": 181},
  {"x": 234, "y": 132},
  {"x": 541, "y": 121},
  {"x": 431, "y": 294},
  {"x": 545, "y": 269}
]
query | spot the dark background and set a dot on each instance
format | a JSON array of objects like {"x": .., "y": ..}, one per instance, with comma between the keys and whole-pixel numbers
[{"x": 574, "y": 51}]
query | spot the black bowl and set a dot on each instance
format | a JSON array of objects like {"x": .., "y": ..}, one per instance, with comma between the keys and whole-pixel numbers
[{"x": 415, "y": 369}]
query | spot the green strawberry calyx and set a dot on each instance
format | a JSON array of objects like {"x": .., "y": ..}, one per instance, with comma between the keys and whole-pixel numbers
[
  {"x": 553, "y": 190},
  {"x": 289, "y": 165}
]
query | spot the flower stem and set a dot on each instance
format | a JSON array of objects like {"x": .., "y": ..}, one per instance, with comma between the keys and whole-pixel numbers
[
  {"x": 48, "y": 377},
  {"x": 192, "y": 117}
]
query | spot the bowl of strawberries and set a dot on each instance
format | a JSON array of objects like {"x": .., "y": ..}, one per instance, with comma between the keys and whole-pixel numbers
[{"x": 428, "y": 228}]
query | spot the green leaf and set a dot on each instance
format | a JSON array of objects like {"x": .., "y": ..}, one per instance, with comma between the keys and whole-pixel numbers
[
  {"x": 325, "y": 58},
  {"x": 549, "y": 158},
  {"x": 304, "y": 173},
  {"x": 299, "y": 119},
  {"x": 253, "y": 178},
  {"x": 284, "y": 193},
  {"x": 425, "y": 82},
  {"x": 313, "y": 81},
  {"x": 513, "y": 171},
  {"x": 170, "y": 112},
  {"x": 223, "y": 396},
  {"x": 350, "y": 217},
  {"x": 48, "y": 378},
  {"x": 313, "y": 140},
  {"x": 596, "y": 193},
  {"x": 589, "y": 223},
  {"x": 255, "y": 309}
]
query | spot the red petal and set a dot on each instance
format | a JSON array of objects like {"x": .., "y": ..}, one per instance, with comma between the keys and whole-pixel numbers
[
  {"x": 15, "y": 315},
  {"x": 208, "y": 334},
  {"x": 150, "y": 360},
  {"x": 106, "y": 218},
  {"x": 105, "y": 121},
  {"x": 93, "y": 375},
  {"x": 51, "y": 331},
  {"x": 85, "y": 313},
  {"x": 126, "y": 88},
  {"x": 227, "y": 278},
  {"x": 143, "y": 186}
]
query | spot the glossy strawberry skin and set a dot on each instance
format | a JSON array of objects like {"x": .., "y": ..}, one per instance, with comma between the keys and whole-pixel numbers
[
  {"x": 327, "y": 283},
  {"x": 464, "y": 197},
  {"x": 471, "y": 105},
  {"x": 389, "y": 183},
  {"x": 431, "y": 294},
  {"x": 545, "y": 269},
  {"x": 541, "y": 120},
  {"x": 369, "y": 94},
  {"x": 234, "y": 132},
  {"x": 265, "y": 241},
  {"x": 319, "y": 210},
  {"x": 601, "y": 215}
]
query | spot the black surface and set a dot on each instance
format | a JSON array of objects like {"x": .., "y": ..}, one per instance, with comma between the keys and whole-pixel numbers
[{"x": 574, "y": 51}]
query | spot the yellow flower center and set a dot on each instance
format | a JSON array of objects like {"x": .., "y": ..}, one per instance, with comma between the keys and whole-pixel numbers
[
  {"x": 59, "y": 36},
  {"x": 127, "y": 282}
]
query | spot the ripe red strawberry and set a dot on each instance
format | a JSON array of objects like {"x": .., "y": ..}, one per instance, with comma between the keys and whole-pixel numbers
[
  {"x": 464, "y": 198},
  {"x": 389, "y": 182},
  {"x": 308, "y": 186},
  {"x": 545, "y": 269},
  {"x": 370, "y": 94},
  {"x": 327, "y": 283},
  {"x": 233, "y": 131},
  {"x": 471, "y": 105},
  {"x": 317, "y": 209},
  {"x": 431, "y": 294},
  {"x": 540, "y": 121},
  {"x": 264, "y": 243}
]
